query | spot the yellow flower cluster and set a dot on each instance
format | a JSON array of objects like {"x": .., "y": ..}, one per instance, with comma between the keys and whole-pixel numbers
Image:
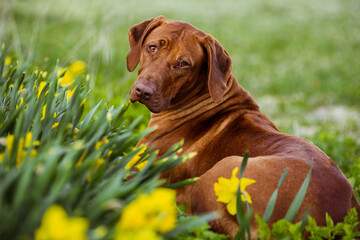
[
  {"x": 56, "y": 225},
  {"x": 226, "y": 190},
  {"x": 148, "y": 216},
  {"x": 21, "y": 151},
  {"x": 74, "y": 70}
]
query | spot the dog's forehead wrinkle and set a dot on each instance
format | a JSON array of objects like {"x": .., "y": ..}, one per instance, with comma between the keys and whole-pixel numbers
[
  {"x": 188, "y": 52},
  {"x": 181, "y": 40}
]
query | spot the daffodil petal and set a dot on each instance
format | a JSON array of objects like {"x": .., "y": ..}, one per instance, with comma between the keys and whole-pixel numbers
[
  {"x": 234, "y": 172},
  {"x": 246, "y": 182},
  {"x": 223, "y": 195},
  {"x": 226, "y": 182},
  {"x": 231, "y": 206},
  {"x": 247, "y": 198}
]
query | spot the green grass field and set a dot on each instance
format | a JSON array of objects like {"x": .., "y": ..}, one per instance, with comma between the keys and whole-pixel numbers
[{"x": 300, "y": 60}]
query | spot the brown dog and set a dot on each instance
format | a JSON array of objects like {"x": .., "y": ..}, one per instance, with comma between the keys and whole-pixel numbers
[{"x": 185, "y": 80}]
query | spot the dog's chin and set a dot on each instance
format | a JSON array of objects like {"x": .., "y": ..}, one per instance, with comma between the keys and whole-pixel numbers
[{"x": 153, "y": 107}]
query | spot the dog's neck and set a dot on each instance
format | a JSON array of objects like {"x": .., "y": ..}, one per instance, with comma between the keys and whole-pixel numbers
[{"x": 201, "y": 105}]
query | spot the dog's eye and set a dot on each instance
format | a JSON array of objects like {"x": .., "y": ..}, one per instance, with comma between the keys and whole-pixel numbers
[
  {"x": 152, "y": 48},
  {"x": 184, "y": 64}
]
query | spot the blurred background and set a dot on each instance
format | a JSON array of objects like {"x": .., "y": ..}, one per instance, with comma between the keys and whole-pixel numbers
[{"x": 300, "y": 60}]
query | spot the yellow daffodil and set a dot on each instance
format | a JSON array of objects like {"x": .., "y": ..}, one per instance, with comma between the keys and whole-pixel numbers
[
  {"x": 56, "y": 225},
  {"x": 98, "y": 145},
  {"x": 109, "y": 117},
  {"x": 60, "y": 71},
  {"x": 101, "y": 142},
  {"x": 21, "y": 101},
  {"x": 226, "y": 190},
  {"x": 20, "y": 88},
  {"x": 76, "y": 130},
  {"x": 70, "y": 93},
  {"x": 100, "y": 231},
  {"x": 9, "y": 140},
  {"x": 8, "y": 60},
  {"x": 43, "y": 112},
  {"x": 21, "y": 152},
  {"x": 68, "y": 79},
  {"x": 81, "y": 159},
  {"x": 28, "y": 139},
  {"x": 99, "y": 162},
  {"x": 136, "y": 235},
  {"x": 42, "y": 84},
  {"x": 54, "y": 125},
  {"x": 43, "y": 74},
  {"x": 75, "y": 69},
  {"x": 82, "y": 102},
  {"x": 136, "y": 158},
  {"x": 148, "y": 216},
  {"x": 109, "y": 153}
]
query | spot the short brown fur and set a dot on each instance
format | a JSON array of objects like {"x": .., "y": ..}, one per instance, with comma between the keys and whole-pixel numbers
[{"x": 187, "y": 83}]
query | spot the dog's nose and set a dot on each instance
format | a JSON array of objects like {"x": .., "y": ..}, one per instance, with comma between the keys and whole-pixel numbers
[{"x": 143, "y": 90}]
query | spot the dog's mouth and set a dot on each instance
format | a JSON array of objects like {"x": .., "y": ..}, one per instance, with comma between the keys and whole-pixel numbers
[{"x": 154, "y": 103}]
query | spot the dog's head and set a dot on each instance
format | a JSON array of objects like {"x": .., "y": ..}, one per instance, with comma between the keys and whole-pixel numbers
[{"x": 175, "y": 59}]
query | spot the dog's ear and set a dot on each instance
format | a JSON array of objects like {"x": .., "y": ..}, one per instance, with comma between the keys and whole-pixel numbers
[
  {"x": 219, "y": 67},
  {"x": 137, "y": 35}
]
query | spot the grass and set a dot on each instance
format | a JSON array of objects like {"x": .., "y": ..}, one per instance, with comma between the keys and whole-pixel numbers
[{"x": 299, "y": 59}]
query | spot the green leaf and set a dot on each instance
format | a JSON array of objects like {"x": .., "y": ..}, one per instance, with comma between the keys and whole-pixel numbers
[
  {"x": 243, "y": 218},
  {"x": 271, "y": 204},
  {"x": 313, "y": 229},
  {"x": 296, "y": 203},
  {"x": 183, "y": 183},
  {"x": 329, "y": 221},
  {"x": 264, "y": 231},
  {"x": 191, "y": 224},
  {"x": 280, "y": 229},
  {"x": 89, "y": 116},
  {"x": 2, "y": 63},
  {"x": 243, "y": 164},
  {"x": 24, "y": 182}
]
